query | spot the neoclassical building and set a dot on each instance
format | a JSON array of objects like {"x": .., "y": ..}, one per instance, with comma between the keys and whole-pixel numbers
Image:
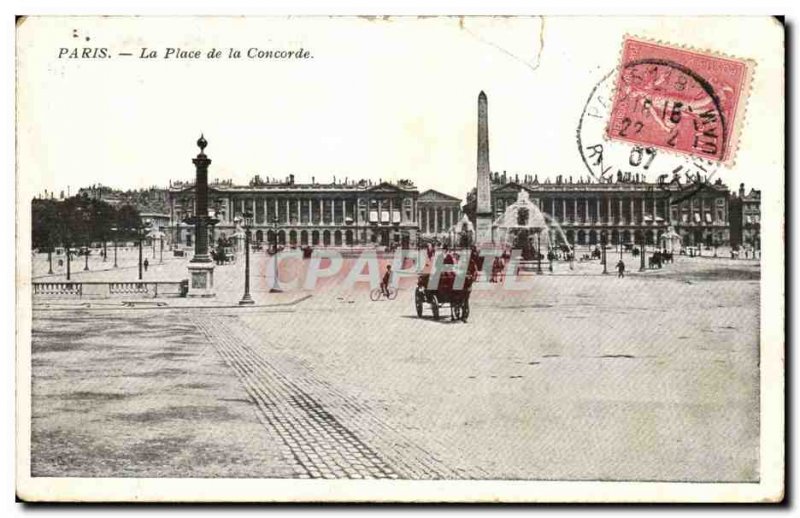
[
  {"x": 437, "y": 213},
  {"x": 342, "y": 213},
  {"x": 625, "y": 211},
  {"x": 745, "y": 219}
]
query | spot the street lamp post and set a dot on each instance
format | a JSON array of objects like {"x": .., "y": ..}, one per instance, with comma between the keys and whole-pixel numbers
[
  {"x": 84, "y": 221},
  {"x": 161, "y": 240},
  {"x": 571, "y": 254},
  {"x": 275, "y": 288},
  {"x": 140, "y": 256},
  {"x": 114, "y": 231},
  {"x": 642, "y": 254},
  {"x": 247, "y": 300},
  {"x": 69, "y": 262},
  {"x": 274, "y": 221},
  {"x": 603, "y": 239},
  {"x": 539, "y": 251},
  {"x": 141, "y": 239},
  {"x": 50, "y": 257}
]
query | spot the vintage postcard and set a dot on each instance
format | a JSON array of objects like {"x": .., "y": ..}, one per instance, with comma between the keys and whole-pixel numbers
[{"x": 400, "y": 259}]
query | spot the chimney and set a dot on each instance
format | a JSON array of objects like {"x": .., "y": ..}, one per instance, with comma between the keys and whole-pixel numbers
[{"x": 741, "y": 190}]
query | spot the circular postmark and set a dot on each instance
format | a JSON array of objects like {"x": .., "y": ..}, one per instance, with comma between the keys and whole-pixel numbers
[
  {"x": 665, "y": 104},
  {"x": 621, "y": 160}
]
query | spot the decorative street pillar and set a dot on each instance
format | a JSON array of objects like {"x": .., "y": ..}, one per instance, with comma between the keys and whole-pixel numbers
[
  {"x": 201, "y": 268},
  {"x": 247, "y": 300},
  {"x": 603, "y": 240},
  {"x": 644, "y": 242},
  {"x": 539, "y": 251}
]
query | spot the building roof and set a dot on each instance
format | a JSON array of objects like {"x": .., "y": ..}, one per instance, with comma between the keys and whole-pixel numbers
[
  {"x": 434, "y": 195},
  {"x": 608, "y": 187},
  {"x": 401, "y": 186},
  {"x": 753, "y": 196}
]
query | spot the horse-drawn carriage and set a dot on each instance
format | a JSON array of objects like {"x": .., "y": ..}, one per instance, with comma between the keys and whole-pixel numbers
[
  {"x": 658, "y": 259},
  {"x": 445, "y": 293}
]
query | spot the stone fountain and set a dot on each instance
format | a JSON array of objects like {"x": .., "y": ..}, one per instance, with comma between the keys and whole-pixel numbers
[{"x": 523, "y": 226}]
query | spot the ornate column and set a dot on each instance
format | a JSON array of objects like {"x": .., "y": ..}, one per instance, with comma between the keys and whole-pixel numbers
[
  {"x": 597, "y": 211},
  {"x": 633, "y": 218},
  {"x": 702, "y": 211},
  {"x": 201, "y": 268},
  {"x": 644, "y": 208}
]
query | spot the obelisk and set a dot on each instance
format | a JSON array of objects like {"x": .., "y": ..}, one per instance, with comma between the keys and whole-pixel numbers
[{"x": 483, "y": 210}]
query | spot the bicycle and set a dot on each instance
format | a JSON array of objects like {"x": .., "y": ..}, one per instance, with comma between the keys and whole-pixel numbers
[{"x": 377, "y": 294}]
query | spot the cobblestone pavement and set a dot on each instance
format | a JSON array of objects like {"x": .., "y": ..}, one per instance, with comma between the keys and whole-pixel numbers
[
  {"x": 652, "y": 377},
  {"x": 299, "y": 411}
]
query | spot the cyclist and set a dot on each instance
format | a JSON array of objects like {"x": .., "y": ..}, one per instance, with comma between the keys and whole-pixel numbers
[{"x": 385, "y": 282}]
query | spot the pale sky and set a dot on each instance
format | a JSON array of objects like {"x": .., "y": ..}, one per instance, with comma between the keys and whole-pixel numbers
[{"x": 381, "y": 99}]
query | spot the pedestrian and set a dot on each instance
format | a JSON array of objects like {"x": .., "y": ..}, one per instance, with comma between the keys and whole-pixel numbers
[
  {"x": 621, "y": 269},
  {"x": 497, "y": 268},
  {"x": 385, "y": 281},
  {"x": 146, "y": 264}
]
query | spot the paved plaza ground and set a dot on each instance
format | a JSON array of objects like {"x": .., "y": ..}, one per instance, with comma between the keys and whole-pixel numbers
[{"x": 579, "y": 376}]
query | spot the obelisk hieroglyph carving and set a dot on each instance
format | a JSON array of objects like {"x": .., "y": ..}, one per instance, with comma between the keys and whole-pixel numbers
[{"x": 483, "y": 209}]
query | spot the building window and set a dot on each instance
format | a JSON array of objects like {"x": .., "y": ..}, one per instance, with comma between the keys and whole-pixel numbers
[{"x": 407, "y": 209}]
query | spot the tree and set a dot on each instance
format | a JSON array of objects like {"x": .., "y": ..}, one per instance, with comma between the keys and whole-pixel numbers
[
  {"x": 129, "y": 222},
  {"x": 44, "y": 224}
]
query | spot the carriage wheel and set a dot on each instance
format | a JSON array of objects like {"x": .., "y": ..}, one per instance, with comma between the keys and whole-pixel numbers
[
  {"x": 457, "y": 311},
  {"x": 375, "y": 294},
  {"x": 419, "y": 298},
  {"x": 435, "y": 306},
  {"x": 465, "y": 310}
]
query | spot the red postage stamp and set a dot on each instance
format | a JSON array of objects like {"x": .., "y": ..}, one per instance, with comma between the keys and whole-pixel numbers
[{"x": 681, "y": 100}]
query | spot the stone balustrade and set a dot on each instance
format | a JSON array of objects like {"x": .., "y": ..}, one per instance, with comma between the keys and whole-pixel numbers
[{"x": 102, "y": 290}]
